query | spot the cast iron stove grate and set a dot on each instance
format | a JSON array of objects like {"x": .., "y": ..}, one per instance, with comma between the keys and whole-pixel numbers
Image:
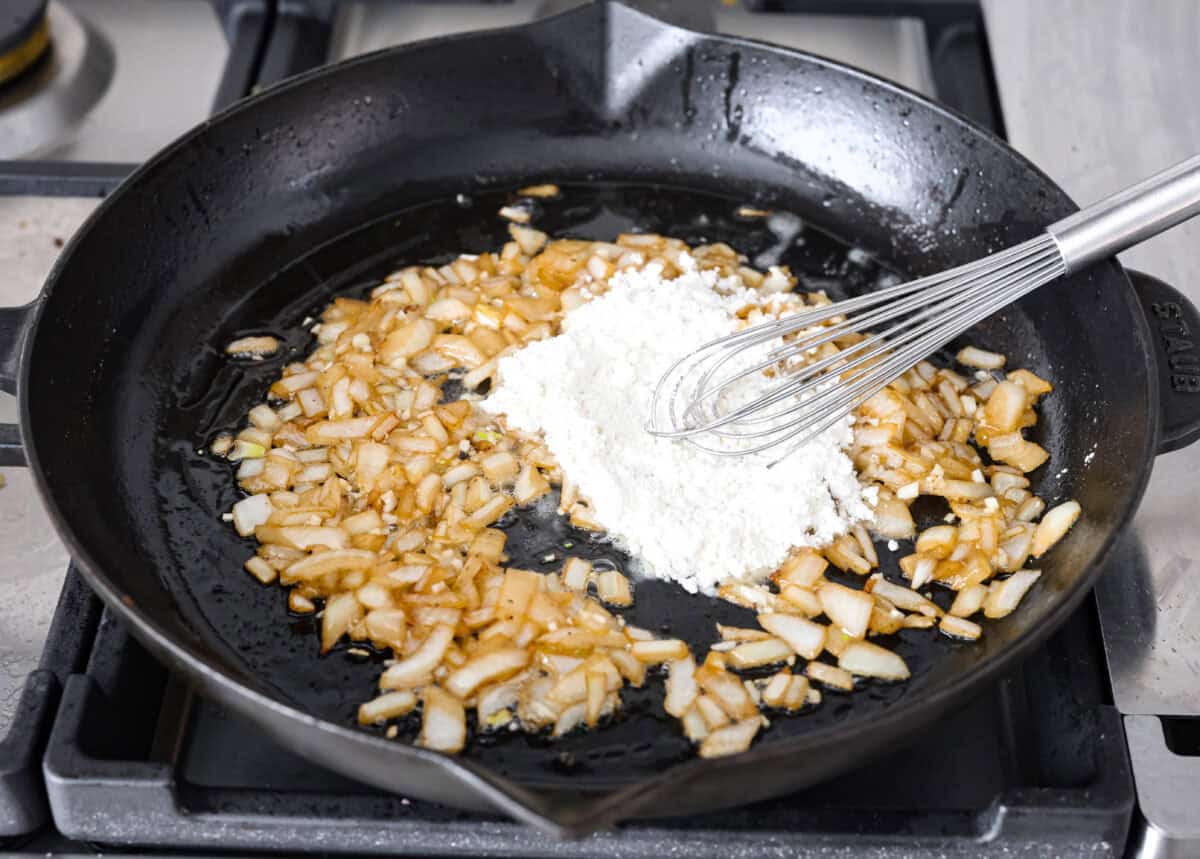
[{"x": 1037, "y": 766}]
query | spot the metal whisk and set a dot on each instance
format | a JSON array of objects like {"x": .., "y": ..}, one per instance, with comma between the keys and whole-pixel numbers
[{"x": 772, "y": 383}]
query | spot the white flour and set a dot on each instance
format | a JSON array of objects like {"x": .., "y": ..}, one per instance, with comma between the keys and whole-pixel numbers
[{"x": 688, "y": 515}]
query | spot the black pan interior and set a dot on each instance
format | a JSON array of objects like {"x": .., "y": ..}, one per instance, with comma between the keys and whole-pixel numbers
[
  {"x": 282, "y": 649},
  {"x": 252, "y": 224}
]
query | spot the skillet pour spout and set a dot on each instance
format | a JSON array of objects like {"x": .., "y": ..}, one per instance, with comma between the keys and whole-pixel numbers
[{"x": 254, "y": 220}]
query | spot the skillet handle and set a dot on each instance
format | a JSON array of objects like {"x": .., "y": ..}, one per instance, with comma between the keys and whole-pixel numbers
[
  {"x": 1175, "y": 323},
  {"x": 14, "y": 325}
]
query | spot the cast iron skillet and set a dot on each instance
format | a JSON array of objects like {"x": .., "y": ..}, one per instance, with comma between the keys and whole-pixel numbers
[{"x": 252, "y": 221}]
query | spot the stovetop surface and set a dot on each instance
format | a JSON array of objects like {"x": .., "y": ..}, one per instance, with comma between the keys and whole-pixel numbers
[
  {"x": 1036, "y": 766},
  {"x": 133, "y": 757},
  {"x": 119, "y": 81}
]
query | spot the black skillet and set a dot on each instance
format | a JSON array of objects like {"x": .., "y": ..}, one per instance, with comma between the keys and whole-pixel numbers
[{"x": 252, "y": 221}]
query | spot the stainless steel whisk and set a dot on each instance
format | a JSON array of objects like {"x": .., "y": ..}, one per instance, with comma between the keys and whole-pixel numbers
[{"x": 749, "y": 392}]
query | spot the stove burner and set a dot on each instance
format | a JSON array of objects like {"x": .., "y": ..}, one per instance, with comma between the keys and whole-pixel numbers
[
  {"x": 44, "y": 108},
  {"x": 24, "y": 36}
]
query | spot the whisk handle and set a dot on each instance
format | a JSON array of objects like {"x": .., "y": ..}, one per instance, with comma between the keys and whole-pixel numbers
[{"x": 1130, "y": 216}]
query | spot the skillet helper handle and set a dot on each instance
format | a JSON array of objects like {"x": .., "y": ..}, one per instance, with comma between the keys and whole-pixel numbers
[
  {"x": 1175, "y": 325},
  {"x": 14, "y": 324},
  {"x": 1128, "y": 217}
]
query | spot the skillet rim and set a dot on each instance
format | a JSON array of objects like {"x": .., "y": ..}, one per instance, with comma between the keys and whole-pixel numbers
[{"x": 507, "y": 796}]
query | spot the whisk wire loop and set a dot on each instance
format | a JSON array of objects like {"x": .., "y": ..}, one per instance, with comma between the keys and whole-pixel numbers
[
  {"x": 774, "y": 385},
  {"x": 777, "y": 389}
]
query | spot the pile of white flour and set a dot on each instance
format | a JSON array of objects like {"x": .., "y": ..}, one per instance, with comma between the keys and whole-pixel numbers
[{"x": 688, "y": 515}]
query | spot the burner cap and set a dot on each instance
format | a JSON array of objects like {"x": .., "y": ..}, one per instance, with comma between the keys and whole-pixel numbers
[{"x": 24, "y": 35}]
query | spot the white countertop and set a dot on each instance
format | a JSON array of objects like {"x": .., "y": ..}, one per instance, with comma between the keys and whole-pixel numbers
[
  {"x": 1100, "y": 94},
  {"x": 32, "y": 560}
]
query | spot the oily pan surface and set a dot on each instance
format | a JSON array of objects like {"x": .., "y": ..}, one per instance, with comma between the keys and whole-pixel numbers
[
  {"x": 282, "y": 649},
  {"x": 130, "y": 380}
]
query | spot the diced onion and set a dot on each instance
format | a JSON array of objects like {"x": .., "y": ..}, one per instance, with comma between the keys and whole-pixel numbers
[
  {"x": 255, "y": 346},
  {"x": 1054, "y": 526},
  {"x": 613, "y": 588},
  {"x": 415, "y": 670},
  {"x": 800, "y": 693},
  {"x": 800, "y": 598},
  {"x": 938, "y": 541},
  {"x": 251, "y": 512},
  {"x": 261, "y": 570},
  {"x": 847, "y": 608},
  {"x": 694, "y": 726},
  {"x": 517, "y": 590},
  {"x": 443, "y": 721},
  {"x": 960, "y": 627},
  {"x": 597, "y": 693},
  {"x": 747, "y": 596},
  {"x": 714, "y": 717},
  {"x": 390, "y": 705},
  {"x": 969, "y": 600},
  {"x": 539, "y": 191},
  {"x": 341, "y": 610},
  {"x": 730, "y": 740},
  {"x": 973, "y": 357},
  {"x": 487, "y": 668},
  {"x": 727, "y": 691},
  {"x": 530, "y": 240},
  {"x": 803, "y": 636},
  {"x": 871, "y": 660},
  {"x": 803, "y": 569},
  {"x": 893, "y": 520},
  {"x": 340, "y": 560},
  {"x": 1030, "y": 382},
  {"x": 901, "y": 597},
  {"x": 494, "y": 699},
  {"x": 755, "y": 654},
  {"x": 1004, "y": 407},
  {"x": 660, "y": 650},
  {"x": 245, "y": 450},
  {"x": 512, "y": 213},
  {"x": 774, "y": 693},
  {"x": 681, "y": 686},
  {"x": 737, "y": 633},
  {"x": 380, "y": 500},
  {"x": 570, "y": 719},
  {"x": 1003, "y": 596},
  {"x": 831, "y": 676},
  {"x": 631, "y": 669}
]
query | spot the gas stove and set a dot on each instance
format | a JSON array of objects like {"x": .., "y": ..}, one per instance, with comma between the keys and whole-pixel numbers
[{"x": 101, "y": 749}]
